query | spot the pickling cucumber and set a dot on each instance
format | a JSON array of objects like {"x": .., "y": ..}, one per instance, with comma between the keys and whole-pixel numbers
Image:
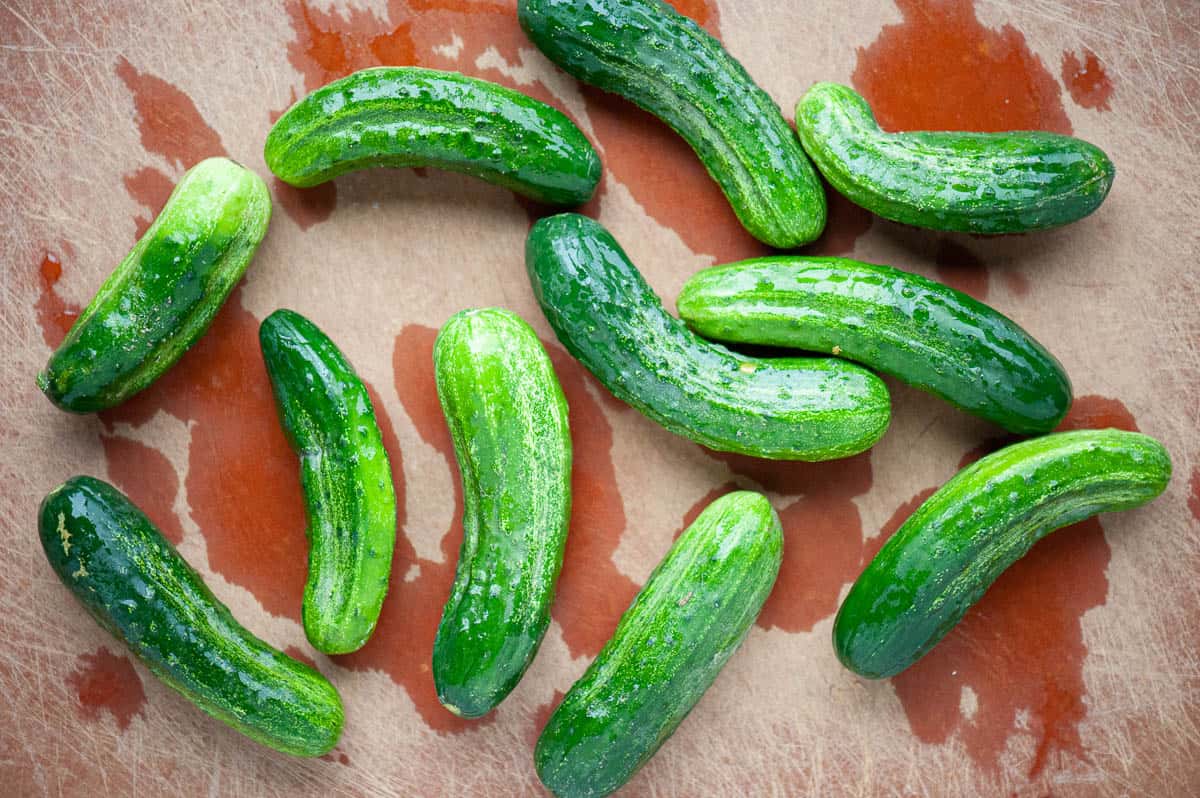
[
  {"x": 949, "y": 552},
  {"x": 165, "y": 293},
  {"x": 613, "y": 322},
  {"x": 410, "y": 116},
  {"x": 508, "y": 419},
  {"x": 664, "y": 62},
  {"x": 669, "y": 646},
  {"x": 946, "y": 180},
  {"x": 329, "y": 420},
  {"x": 920, "y": 331},
  {"x": 136, "y": 586}
]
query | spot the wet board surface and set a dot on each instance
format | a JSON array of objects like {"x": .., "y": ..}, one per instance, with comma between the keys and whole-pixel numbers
[{"x": 1077, "y": 675}]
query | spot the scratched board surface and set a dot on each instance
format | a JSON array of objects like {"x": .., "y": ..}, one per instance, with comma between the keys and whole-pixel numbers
[{"x": 1076, "y": 675}]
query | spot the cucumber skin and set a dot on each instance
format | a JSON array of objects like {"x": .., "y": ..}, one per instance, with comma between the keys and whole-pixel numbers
[
  {"x": 955, "y": 181},
  {"x": 693, "y": 613},
  {"x": 164, "y": 294},
  {"x": 920, "y": 331},
  {"x": 612, "y": 322},
  {"x": 924, "y": 580},
  {"x": 409, "y": 116},
  {"x": 508, "y": 419},
  {"x": 646, "y": 52},
  {"x": 136, "y": 586},
  {"x": 349, "y": 497}
]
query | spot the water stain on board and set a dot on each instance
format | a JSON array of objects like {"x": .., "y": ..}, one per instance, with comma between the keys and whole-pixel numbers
[
  {"x": 150, "y": 188},
  {"x": 167, "y": 119},
  {"x": 54, "y": 314},
  {"x": 1086, "y": 80},
  {"x": 107, "y": 682},
  {"x": 147, "y": 477},
  {"x": 961, "y": 269}
]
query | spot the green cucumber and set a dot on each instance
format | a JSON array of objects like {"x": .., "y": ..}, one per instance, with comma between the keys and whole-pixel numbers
[
  {"x": 613, "y": 322},
  {"x": 681, "y": 629},
  {"x": 409, "y": 116},
  {"x": 165, "y": 293},
  {"x": 665, "y": 63},
  {"x": 949, "y": 552},
  {"x": 508, "y": 419},
  {"x": 957, "y": 181},
  {"x": 920, "y": 331},
  {"x": 329, "y": 420},
  {"x": 136, "y": 586}
]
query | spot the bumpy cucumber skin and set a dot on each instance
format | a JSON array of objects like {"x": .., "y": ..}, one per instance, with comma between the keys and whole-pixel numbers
[
  {"x": 508, "y": 420},
  {"x": 665, "y": 63},
  {"x": 329, "y": 420},
  {"x": 917, "y": 330},
  {"x": 956, "y": 181},
  {"x": 669, "y": 646},
  {"x": 165, "y": 293},
  {"x": 949, "y": 552},
  {"x": 613, "y": 322},
  {"x": 136, "y": 586},
  {"x": 409, "y": 116}
]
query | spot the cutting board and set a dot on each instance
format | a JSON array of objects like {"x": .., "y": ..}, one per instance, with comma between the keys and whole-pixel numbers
[{"x": 1076, "y": 675}]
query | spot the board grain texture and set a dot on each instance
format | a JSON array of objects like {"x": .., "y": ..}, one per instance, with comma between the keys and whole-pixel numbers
[{"x": 1077, "y": 675}]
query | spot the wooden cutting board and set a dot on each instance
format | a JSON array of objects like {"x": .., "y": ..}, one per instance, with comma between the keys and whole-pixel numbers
[{"x": 1077, "y": 675}]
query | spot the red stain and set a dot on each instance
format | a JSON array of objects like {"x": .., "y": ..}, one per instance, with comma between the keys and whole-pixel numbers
[
  {"x": 296, "y": 653},
  {"x": 168, "y": 120},
  {"x": 1017, "y": 283},
  {"x": 330, "y": 45},
  {"x": 1098, "y": 412},
  {"x": 150, "y": 188},
  {"x": 941, "y": 69},
  {"x": 306, "y": 206},
  {"x": 1087, "y": 82},
  {"x": 107, "y": 682},
  {"x": 54, "y": 314},
  {"x": 844, "y": 225},
  {"x": 1194, "y": 499},
  {"x": 148, "y": 478},
  {"x": 541, "y": 716},
  {"x": 961, "y": 269}
]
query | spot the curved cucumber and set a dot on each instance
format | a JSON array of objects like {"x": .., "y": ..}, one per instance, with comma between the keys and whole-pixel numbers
[
  {"x": 958, "y": 181},
  {"x": 664, "y": 62},
  {"x": 508, "y": 420},
  {"x": 166, "y": 291},
  {"x": 136, "y": 586},
  {"x": 409, "y": 116},
  {"x": 949, "y": 552},
  {"x": 920, "y": 331},
  {"x": 671, "y": 643},
  {"x": 610, "y": 319},
  {"x": 347, "y": 479}
]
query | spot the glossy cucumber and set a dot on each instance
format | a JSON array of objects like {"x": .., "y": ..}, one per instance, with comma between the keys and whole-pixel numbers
[
  {"x": 613, "y": 322},
  {"x": 958, "y": 181},
  {"x": 664, "y": 62},
  {"x": 669, "y": 646},
  {"x": 949, "y": 552},
  {"x": 409, "y": 116},
  {"x": 166, "y": 291},
  {"x": 920, "y": 331},
  {"x": 508, "y": 419},
  {"x": 136, "y": 586},
  {"x": 347, "y": 479}
]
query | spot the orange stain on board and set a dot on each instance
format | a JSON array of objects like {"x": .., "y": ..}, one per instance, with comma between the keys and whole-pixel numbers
[
  {"x": 168, "y": 120},
  {"x": 306, "y": 206},
  {"x": 541, "y": 716},
  {"x": 107, "y": 682},
  {"x": 845, "y": 223},
  {"x": 54, "y": 314},
  {"x": 150, "y": 188},
  {"x": 961, "y": 269},
  {"x": 1086, "y": 80},
  {"x": 147, "y": 477}
]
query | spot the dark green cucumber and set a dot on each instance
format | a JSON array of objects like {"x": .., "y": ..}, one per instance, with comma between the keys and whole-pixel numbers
[
  {"x": 329, "y": 420},
  {"x": 949, "y": 552},
  {"x": 508, "y": 420},
  {"x": 664, "y": 62},
  {"x": 163, "y": 296},
  {"x": 671, "y": 643},
  {"x": 409, "y": 116},
  {"x": 136, "y": 586},
  {"x": 958, "y": 181},
  {"x": 613, "y": 322},
  {"x": 920, "y": 331}
]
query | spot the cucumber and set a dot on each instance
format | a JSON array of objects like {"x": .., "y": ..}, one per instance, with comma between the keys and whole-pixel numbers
[
  {"x": 508, "y": 419},
  {"x": 613, "y": 322},
  {"x": 669, "y": 646},
  {"x": 329, "y": 420},
  {"x": 165, "y": 293},
  {"x": 956, "y": 181},
  {"x": 136, "y": 586},
  {"x": 665, "y": 63},
  {"x": 917, "y": 330},
  {"x": 409, "y": 116},
  {"x": 948, "y": 552}
]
